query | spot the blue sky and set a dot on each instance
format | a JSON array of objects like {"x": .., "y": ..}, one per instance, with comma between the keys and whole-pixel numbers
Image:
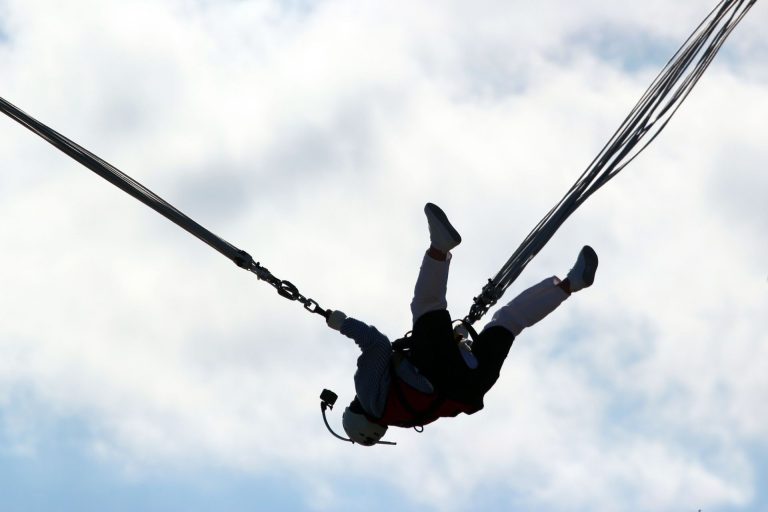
[
  {"x": 140, "y": 370},
  {"x": 62, "y": 478}
]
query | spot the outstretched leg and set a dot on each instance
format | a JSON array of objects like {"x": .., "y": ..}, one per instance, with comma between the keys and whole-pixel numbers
[
  {"x": 495, "y": 341},
  {"x": 530, "y": 306},
  {"x": 432, "y": 283},
  {"x": 538, "y": 301}
]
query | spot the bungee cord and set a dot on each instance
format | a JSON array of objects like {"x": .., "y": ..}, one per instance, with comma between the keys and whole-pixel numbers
[
  {"x": 644, "y": 123},
  {"x": 132, "y": 187}
]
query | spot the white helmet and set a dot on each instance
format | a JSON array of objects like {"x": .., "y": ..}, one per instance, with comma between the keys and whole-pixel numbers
[{"x": 359, "y": 428}]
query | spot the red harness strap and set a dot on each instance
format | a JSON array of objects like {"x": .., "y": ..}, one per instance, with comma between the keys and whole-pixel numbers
[{"x": 408, "y": 407}]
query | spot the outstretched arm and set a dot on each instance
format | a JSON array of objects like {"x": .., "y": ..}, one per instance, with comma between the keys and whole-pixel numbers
[{"x": 372, "y": 377}]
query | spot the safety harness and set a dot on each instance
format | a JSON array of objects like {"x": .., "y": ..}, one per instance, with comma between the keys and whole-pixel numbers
[{"x": 408, "y": 407}]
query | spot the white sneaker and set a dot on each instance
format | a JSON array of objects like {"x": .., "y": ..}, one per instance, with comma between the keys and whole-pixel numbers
[
  {"x": 442, "y": 235},
  {"x": 582, "y": 274}
]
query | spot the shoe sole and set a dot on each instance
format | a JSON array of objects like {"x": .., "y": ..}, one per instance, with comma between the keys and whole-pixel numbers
[
  {"x": 440, "y": 215},
  {"x": 590, "y": 266}
]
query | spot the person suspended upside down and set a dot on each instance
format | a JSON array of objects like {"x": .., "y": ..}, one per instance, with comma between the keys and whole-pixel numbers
[{"x": 440, "y": 374}]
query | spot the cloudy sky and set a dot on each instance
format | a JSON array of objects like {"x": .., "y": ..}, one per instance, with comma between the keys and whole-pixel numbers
[{"x": 140, "y": 370}]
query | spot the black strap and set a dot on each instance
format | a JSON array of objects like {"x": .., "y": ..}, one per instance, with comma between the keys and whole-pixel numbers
[
  {"x": 470, "y": 329},
  {"x": 403, "y": 344},
  {"x": 132, "y": 187}
]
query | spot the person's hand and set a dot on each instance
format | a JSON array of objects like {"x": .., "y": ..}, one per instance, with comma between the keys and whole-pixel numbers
[{"x": 335, "y": 320}]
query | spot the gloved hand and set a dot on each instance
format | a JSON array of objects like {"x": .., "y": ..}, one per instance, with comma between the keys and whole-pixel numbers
[{"x": 335, "y": 320}]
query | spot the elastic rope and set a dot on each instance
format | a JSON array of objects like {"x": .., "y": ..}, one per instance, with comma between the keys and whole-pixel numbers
[
  {"x": 644, "y": 123},
  {"x": 132, "y": 187}
]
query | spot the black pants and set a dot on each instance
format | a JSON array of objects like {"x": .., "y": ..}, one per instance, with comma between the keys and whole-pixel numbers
[{"x": 437, "y": 356}]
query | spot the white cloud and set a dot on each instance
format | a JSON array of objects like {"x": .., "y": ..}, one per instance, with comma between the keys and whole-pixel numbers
[{"x": 311, "y": 134}]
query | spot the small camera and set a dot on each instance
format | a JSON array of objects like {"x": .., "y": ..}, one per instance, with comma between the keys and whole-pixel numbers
[{"x": 328, "y": 398}]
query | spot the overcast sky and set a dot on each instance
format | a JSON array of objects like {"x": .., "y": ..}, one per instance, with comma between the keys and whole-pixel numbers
[{"x": 140, "y": 370}]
